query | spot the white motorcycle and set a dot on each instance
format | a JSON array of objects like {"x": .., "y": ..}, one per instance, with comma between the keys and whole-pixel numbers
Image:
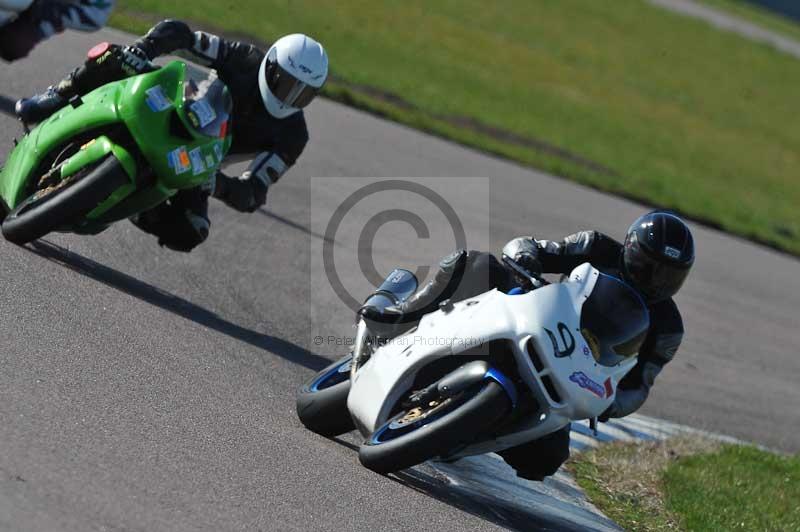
[
  {"x": 10, "y": 10},
  {"x": 480, "y": 375}
]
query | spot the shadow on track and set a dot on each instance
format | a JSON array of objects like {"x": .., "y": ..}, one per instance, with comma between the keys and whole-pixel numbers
[
  {"x": 486, "y": 505},
  {"x": 294, "y": 225},
  {"x": 175, "y": 304}
]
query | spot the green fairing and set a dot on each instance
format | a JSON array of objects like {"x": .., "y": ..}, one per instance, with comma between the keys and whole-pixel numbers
[{"x": 154, "y": 132}]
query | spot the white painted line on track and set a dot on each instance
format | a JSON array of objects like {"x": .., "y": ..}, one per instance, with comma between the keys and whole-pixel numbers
[{"x": 732, "y": 23}]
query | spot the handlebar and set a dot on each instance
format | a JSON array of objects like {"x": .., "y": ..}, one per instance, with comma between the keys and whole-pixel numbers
[{"x": 534, "y": 280}]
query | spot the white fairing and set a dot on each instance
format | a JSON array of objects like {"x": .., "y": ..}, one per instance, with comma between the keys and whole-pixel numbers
[{"x": 584, "y": 387}]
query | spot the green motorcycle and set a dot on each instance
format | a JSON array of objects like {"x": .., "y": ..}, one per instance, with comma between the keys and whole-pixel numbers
[{"x": 120, "y": 150}]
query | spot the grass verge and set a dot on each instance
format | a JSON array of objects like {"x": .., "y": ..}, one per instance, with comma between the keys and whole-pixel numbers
[
  {"x": 633, "y": 99},
  {"x": 688, "y": 483}
]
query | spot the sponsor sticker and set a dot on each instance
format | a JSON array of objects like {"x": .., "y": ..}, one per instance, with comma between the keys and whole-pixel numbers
[
  {"x": 586, "y": 383},
  {"x": 178, "y": 160},
  {"x": 198, "y": 167},
  {"x": 210, "y": 161},
  {"x": 193, "y": 119},
  {"x": 218, "y": 151},
  {"x": 609, "y": 387},
  {"x": 672, "y": 252},
  {"x": 204, "y": 112},
  {"x": 156, "y": 100}
]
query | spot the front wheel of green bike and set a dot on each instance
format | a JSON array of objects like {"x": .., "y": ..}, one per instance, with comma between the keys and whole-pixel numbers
[{"x": 55, "y": 205}]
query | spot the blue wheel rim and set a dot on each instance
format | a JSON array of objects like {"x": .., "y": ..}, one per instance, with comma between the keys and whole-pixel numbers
[{"x": 337, "y": 374}]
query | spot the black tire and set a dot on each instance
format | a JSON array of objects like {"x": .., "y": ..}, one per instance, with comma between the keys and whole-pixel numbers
[
  {"x": 66, "y": 206},
  {"x": 323, "y": 409},
  {"x": 441, "y": 435}
]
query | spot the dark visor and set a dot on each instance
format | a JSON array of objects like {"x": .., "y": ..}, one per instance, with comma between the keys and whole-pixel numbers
[
  {"x": 287, "y": 88},
  {"x": 657, "y": 279}
]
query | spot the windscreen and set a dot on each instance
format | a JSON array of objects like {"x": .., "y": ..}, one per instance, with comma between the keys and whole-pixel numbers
[
  {"x": 614, "y": 321},
  {"x": 208, "y": 107}
]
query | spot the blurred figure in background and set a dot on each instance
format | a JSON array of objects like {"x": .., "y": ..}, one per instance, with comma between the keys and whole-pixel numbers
[{"x": 25, "y": 23}]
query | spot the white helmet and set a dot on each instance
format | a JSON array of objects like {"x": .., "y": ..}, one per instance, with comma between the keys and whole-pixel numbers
[{"x": 291, "y": 74}]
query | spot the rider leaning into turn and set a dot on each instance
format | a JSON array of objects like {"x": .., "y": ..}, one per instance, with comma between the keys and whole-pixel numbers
[
  {"x": 655, "y": 259},
  {"x": 268, "y": 90}
]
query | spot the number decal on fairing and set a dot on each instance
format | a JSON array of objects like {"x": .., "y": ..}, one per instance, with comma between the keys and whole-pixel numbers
[{"x": 566, "y": 338}]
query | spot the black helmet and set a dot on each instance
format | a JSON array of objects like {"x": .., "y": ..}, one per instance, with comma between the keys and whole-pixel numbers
[{"x": 658, "y": 254}]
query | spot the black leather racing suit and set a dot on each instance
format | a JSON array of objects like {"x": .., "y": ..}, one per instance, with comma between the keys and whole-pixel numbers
[
  {"x": 273, "y": 144},
  {"x": 467, "y": 274}
]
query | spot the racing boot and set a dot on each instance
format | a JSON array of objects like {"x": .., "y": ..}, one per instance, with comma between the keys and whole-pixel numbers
[
  {"x": 40, "y": 106},
  {"x": 105, "y": 63},
  {"x": 390, "y": 320},
  {"x": 180, "y": 223},
  {"x": 36, "y": 108}
]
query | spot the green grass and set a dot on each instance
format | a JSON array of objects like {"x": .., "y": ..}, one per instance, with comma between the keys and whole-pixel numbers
[
  {"x": 683, "y": 115},
  {"x": 738, "y": 488},
  {"x": 691, "y": 484}
]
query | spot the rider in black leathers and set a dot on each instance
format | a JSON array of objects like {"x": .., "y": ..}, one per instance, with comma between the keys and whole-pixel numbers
[
  {"x": 273, "y": 142},
  {"x": 655, "y": 259}
]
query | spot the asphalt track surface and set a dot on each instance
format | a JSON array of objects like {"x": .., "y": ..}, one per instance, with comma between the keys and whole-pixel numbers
[{"x": 143, "y": 389}]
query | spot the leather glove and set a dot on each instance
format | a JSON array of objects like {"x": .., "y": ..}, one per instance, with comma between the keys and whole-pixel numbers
[
  {"x": 524, "y": 251},
  {"x": 165, "y": 37},
  {"x": 626, "y": 401},
  {"x": 246, "y": 193}
]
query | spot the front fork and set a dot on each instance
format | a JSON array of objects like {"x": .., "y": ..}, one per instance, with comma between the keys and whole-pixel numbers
[{"x": 360, "y": 348}]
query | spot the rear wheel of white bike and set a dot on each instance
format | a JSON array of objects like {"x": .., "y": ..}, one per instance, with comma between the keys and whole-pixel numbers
[{"x": 322, "y": 401}]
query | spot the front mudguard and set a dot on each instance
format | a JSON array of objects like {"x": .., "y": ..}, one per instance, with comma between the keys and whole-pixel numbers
[{"x": 94, "y": 151}]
